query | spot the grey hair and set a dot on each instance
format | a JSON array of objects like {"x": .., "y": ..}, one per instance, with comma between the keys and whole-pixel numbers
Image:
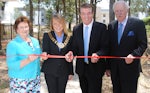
[{"x": 121, "y": 2}]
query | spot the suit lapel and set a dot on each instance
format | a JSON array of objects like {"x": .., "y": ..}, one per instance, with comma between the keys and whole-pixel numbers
[
  {"x": 64, "y": 38},
  {"x": 92, "y": 35},
  {"x": 116, "y": 32},
  {"x": 115, "y": 29},
  {"x": 81, "y": 40}
]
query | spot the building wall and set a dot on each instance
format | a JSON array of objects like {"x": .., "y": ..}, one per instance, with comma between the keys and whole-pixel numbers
[{"x": 102, "y": 15}]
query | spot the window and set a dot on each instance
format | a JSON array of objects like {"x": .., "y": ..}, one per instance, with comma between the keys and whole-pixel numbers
[
  {"x": 104, "y": 20},
  {"x": 42, "y": 20},
  {"x": 104, "y": 15}
]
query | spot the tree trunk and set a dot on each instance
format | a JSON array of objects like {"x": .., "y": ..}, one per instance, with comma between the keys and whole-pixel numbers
[
  {"x": 111, "y": 12},
  {"x": 93, "y": 2},
  {"x": 129, "y": 8},
  {"x": 2, "y": 9},
  {"x": 78, "y": 10},
  {"x": 0, "y": 37},
  {"x": 76, "y": 7},
  {"x": 39, "y": 27},
  {"x": 57, "y": 6},
  {"x": 64, "y": 5},
  {"x": 31, "y": 17}
]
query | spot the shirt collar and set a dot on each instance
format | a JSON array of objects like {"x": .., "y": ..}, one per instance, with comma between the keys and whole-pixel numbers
[
  {"x": 124, "y": 21},
  {"x": 59, "y": 39},
  {"x": 89, "y": 25}
]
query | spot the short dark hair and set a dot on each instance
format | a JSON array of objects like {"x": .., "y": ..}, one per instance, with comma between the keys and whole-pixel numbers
[
  {"x": 87, "y": 5},
  {"x": 21, "y": 19}
]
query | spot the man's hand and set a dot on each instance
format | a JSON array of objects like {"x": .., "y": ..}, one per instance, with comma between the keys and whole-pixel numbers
[
  {"x": 94, "y": 58},
  {"x": 129, "y": 59},
  {"x": 108, "y": 73}
]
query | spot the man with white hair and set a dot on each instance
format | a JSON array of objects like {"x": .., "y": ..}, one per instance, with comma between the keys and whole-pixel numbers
[{"x": 127, "y": 39}]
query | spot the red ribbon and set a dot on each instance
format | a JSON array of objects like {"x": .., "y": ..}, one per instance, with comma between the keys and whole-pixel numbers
[{"x": 59, "y": 56}]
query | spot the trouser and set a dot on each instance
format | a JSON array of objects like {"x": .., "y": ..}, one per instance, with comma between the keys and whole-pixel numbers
[{"x": 56, "y": 84}]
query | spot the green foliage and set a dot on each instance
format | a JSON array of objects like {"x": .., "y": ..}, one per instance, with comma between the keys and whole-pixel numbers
[
  {"x": 147, "y": 25},
  {"x": 1, "y": 4},
  {"x": 147, "y": 20},
  {"x": 17, "y": 13},
  {"x": 70, "y": 10},
  {"x": 137, "y": 6},
  {"x": 48, "y": 15},
  {"x": 148, "y": 30}
]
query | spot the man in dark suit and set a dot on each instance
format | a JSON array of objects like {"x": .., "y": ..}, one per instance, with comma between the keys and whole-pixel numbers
[
  {"x": 90, "y": 71},
  {"x": 131, "y": 42}
]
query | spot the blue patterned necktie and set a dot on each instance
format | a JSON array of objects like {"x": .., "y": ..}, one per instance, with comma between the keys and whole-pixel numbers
[
  {"x": 86, "y": 43},
  {"x": 120, "y": 32}
]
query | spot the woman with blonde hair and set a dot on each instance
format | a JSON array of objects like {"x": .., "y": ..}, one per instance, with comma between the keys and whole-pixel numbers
[{"x": 57, "y": 71}]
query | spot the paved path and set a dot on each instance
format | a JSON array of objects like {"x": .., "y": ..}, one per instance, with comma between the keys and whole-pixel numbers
[{"x": 72, "y": 85}]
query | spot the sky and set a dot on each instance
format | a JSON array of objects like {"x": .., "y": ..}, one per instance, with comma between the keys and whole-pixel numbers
[{"x": 104, "y": 4}]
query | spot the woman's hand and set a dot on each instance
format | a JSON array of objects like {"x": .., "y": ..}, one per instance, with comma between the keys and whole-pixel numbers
[
  {"x": 69, "y": 56},
  {"x": 44, "y": 56}
]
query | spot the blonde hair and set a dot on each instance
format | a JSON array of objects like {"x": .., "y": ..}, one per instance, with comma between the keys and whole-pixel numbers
[{"x": 61, "y": 19}]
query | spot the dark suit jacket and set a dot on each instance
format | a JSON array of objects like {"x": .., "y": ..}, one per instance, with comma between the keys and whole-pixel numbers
[
  {"x": 98, "y": 44},
  {"x": 133, "y": 41},
  {"x": 56, "y": 66}
]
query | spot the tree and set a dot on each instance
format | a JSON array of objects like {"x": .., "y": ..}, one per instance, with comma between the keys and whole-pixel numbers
[
  {"x": 143, "y": 6},
  {"x": 76, "y": 12},
  {"x": 147, "y": 25},
  {"x": 2, "y": 5},
  {"x": 94, "y": 3},
  {"x": 69, "y": 12},
  {"x": 31, "y": 16},
  {"x": 29, "y": 9},
  {"x": 17, "y": 13},
  {"x": 31, "y": 6},
  {"x": 111, "y": 12}
]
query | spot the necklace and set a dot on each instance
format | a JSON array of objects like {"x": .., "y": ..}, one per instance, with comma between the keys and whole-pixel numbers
[{"x": 60, "y": 45}]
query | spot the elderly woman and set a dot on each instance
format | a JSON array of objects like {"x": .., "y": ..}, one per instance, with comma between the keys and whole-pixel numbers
[{"x": 22, "y": 60}]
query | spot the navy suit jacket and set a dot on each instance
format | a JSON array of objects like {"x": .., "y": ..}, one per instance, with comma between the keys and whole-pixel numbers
[
  {"x": 98, "y": 44},
  {"x": 133, "y": 41}
]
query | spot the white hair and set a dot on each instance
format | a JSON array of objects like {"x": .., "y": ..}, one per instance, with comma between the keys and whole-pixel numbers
[{"x": 121, "y": 2}]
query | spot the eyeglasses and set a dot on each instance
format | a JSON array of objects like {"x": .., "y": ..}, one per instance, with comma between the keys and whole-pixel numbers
[{"x": 23, "y": 27}]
